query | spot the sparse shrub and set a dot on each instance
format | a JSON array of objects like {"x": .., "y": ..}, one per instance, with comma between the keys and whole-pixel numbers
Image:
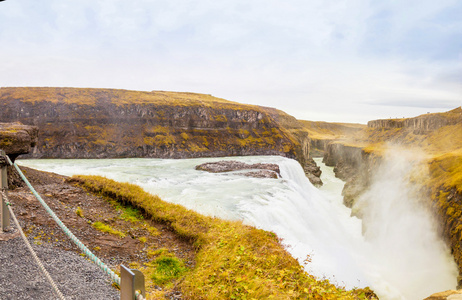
[{"x": 79, "y": 212}]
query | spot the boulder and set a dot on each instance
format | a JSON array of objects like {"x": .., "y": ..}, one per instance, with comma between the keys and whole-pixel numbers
[{"x": 17, "y": 139}]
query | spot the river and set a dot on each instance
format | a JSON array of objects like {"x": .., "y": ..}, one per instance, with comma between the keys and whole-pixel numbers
[{"x": 310, "y": 221}]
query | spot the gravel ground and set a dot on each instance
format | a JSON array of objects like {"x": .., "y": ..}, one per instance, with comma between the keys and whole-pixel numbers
[{"x": 75, "y": 276}]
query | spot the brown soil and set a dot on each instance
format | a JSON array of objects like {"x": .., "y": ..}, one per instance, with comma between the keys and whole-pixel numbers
[{"x": 65, "y": 198}]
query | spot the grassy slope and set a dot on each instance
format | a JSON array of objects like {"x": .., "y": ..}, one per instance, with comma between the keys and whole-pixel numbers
[
  {"x": 233, "y": 261},
  {"x": 326, "y": 130},
  {"x": 90, "y": 96}
]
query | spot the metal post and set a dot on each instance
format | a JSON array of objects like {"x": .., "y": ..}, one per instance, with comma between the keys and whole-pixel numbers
[
  {"x": 4, "y": 213},
  {"x": 131, "y": 280}
]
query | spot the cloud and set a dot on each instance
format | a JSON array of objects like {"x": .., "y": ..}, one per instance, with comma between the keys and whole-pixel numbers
[
  {"x": 415, "y": 29},
  {"x": 334, "y": 60},
  {"x": 426, "y": 103}
]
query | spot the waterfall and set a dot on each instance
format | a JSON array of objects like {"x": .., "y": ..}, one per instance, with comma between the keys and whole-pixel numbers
[{"x": 399, "y": 257}]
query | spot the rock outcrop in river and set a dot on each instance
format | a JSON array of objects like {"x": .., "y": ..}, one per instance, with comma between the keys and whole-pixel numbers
[{"x": 259, "y": 170}]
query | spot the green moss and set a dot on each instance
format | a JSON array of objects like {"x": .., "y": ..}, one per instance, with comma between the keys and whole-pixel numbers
[
  {"x": 131, "y": 214},
  {"x": 166, "y": 268},
  {"x": 108, "y": 229}
]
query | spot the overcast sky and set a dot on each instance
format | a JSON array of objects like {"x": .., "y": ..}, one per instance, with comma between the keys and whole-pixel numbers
[{"x": 331, "y": 60}]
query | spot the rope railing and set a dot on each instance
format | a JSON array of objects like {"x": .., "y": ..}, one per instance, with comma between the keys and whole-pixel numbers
[
  {"x": 76, "y": 241},
  {"x": 31, "y": 250},
  {"x": 115, "y": 278}
]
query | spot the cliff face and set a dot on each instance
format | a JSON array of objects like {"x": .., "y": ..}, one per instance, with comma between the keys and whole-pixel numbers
[
  {"x": 323, "y": 133},
  {"x": 77, "y": 123},
  {"x": 354, "y": 166},
  {"x": 438, "y": 137},
  {"x": 421, "y": 123}
]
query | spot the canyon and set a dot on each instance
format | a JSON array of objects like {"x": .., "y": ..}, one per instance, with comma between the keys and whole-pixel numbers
[
  {"x": 433, "y": 139},
  {"x": 104, "y": 123}
]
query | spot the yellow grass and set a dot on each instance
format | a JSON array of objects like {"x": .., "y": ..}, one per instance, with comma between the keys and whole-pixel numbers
[
  {"x": 90, "y": 96},
  {"x": 233, "y": 261}
]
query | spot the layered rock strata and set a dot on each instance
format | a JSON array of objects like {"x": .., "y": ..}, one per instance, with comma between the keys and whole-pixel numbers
[
  {"x": 17, "y": 139},
  {"x": 103, "y": 123},
  {"x": 421, "y": 123}
]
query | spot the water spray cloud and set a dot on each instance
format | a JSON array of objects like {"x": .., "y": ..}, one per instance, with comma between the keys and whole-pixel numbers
[{"x": 401, "y": 232}]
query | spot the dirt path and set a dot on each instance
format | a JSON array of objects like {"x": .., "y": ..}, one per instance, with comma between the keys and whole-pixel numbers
[{"x": 78, "y": 210}]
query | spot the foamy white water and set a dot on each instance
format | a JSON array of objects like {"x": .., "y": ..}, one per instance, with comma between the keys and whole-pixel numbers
[{"x": 311, "y": 221}]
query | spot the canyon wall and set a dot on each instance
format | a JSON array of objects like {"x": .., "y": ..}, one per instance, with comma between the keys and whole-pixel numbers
[
  {"x": 438, "y": 137},
  {"x": 323, "y": 133},
  {"x": 421, "y": 123},
  {"x": 354, "y": 166},
  {"x": 104, "y": 123}
]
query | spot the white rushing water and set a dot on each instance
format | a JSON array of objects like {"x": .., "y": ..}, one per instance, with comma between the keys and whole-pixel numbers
[{"x": 397, "y": 260}]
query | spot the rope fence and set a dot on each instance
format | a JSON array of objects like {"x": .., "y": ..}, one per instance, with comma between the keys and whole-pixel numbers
[
  {"x": 114, "y": 277},
  {"x": 31, "y": 250}
]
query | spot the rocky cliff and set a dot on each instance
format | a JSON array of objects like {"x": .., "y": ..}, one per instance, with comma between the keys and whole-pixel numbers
[
  {"x": 421, "y": 123},
  {"x": 323, "y": 133},
  {"x": 438, "y": 137},
  {"x": 17, "y": 139},
  {"x": 353, "y": 165},
  {"x": 105, "y": 123}
]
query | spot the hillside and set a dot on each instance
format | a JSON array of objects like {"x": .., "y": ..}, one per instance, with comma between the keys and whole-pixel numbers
[{"x": 107, "y": 123}]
